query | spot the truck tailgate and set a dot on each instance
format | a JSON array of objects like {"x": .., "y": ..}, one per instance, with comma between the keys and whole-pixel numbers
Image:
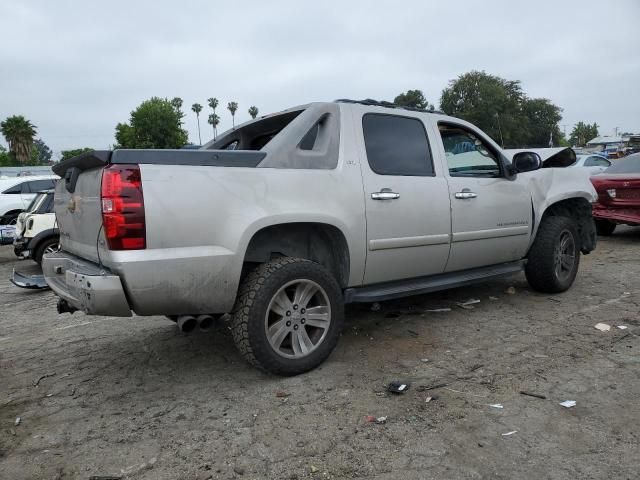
[{"x": 77, "y": 204}]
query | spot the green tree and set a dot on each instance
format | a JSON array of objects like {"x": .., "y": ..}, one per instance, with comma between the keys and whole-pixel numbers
[
  {"x": 542, "y": 118},
  {"x": 197, "y": 108},
  {"x": 413, "y": 99},
  {"x": 253, "y": 111},
  {"x": 490, "y": 102},
  {"x": 177, "y": 103},
  {"x": 582, "y": 133},
  {"x": 213, "y": 104},
  {"x": 66, "y": 154},
  {"x": 156, "y": 123},
  {"x": 19, "y": 133},
  {"x": 233, "y": 108},
  {"x": 7, "y": 160},
  {"x": 214, "y": 120},
  {"x": 43, "y": 152}
]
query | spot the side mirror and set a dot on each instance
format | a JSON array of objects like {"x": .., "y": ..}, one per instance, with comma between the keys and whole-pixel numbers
[{"x": 526, "y": 162}]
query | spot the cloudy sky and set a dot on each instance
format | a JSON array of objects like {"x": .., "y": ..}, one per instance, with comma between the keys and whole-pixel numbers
[{"x": 76, "y": 68}]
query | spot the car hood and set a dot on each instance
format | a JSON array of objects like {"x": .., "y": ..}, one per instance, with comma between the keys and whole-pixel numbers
[{"x": 559, "y": 157}]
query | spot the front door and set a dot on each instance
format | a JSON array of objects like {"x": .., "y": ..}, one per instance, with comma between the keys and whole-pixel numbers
[
  {"x": 491, "y": 216},
  {"x": 406, "y": 199}
]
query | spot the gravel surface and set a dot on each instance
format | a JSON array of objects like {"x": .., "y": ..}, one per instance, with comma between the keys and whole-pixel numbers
[{"x": 133, "y": 398}]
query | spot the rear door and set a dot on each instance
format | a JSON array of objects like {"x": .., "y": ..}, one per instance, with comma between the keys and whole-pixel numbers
[
  {"x": 406, "y": 198},
  {"x": 491, "y": 216}
]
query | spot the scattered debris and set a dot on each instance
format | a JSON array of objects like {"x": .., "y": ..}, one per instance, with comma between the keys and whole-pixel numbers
[
  {"x": 375, "y": 307},
  {"x": 281, "y": 394},
  {"x": 510, "y": 290},
  {"x": 425, "y": 360},
  {"x": 398, "y": 387},
  {"x": 438, "y": 310},
  {"x": 12, "y": 431},
  {"x": 476, "y": 367},
  {"x": 413, "y": 333},
  {"x": 314, "y": 469},
  {"x": 496, "y": 405},
  {"x": 603, "y": 327},
  {"x": 377, "y": 420},
  {"x": 46, "y": 375},
  {"x": 568, "y": 403},
  {"x": 493, "y": 298},
  {"x": 428, "y": 399},
  {"x": 622, "y": 327},
  {"x": 238, "y": 470},
  {"x": 424, "y": 388},
  {"x": 468, "y": 305},
  {"x": 531, "y": 394},
  {"x": 17, "y": 422},
  {"x": 381, "y": 420},
  {"x": 509, "y": 433}
]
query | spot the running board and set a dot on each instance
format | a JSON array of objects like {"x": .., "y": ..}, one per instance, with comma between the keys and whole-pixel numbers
[{"x": 433, "y": 283}]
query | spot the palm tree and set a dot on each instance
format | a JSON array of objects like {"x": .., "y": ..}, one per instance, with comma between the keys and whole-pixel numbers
[
  {"x": 177, "y": 103},
  {"x": 213, "y": 104},
  {"x": 196, "y": 107},
  {"x": 214, "y": 120},
  {"x": 233, "y": 108},
  {"x": 253, "y": 111},
  {"x": 19, "y": 133}
]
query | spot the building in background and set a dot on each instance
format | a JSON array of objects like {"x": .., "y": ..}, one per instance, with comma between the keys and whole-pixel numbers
[
  {"x": 24, "y": 171},
  {"x": 614, "y": 147}
]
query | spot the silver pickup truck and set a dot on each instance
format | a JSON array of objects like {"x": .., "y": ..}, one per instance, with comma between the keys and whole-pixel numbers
[{"x": 286, "y": 218}]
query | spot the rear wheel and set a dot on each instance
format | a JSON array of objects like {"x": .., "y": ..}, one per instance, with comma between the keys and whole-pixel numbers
[
  {"x": 48, "y": 245},
  {"x": 605, "y": 227},
  {"x": 288, "y": 316},
  {"x": 554, "y": 256}
]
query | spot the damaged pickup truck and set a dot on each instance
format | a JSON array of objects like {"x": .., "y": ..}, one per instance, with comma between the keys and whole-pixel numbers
[{"x": 286, "y": 218}]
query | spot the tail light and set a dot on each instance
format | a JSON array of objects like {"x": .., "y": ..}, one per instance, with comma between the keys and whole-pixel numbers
[{"x": 123, "y": 207}]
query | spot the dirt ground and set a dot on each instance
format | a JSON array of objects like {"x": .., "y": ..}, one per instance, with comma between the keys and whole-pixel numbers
[{"x": 133, "y": 398}]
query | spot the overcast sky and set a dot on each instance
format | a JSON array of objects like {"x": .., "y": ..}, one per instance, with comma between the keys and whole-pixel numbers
[{"x": 76, "y": 68}]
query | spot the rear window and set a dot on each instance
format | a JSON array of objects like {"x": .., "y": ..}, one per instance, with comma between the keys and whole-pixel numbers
[
  {"x": 630, "y": 164},
  {"x": 36, "y": 186},
  {"x": 396, "y": 145}
]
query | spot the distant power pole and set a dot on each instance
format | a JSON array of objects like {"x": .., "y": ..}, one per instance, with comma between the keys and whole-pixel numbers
[{"x": 615, "y": 131}]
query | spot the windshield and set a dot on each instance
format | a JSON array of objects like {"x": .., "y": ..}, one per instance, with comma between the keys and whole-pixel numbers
[
  {"x": 630, "y": 164},
  {"x": 36, "y": 202}
]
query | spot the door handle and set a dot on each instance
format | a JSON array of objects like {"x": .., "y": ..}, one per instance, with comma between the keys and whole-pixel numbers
[
  {"x": 385, "y": 194},
  {"x": 466, "y": 193}
]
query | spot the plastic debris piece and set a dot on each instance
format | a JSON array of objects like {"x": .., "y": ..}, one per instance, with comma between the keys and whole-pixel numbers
[
  {"x": 17, "y": 422},
  {"x": 425, "y": 360},
  {"x": 375, "y": 307},
  {"x": 568, "y": 403},
  {"x": 281, "y": 394},
  {"x": 471, "y": 301},
  {"x": 493, "y": 298},
  {"x": 496, "y": 405},
  {"x": 603, "y": 327},
  {"x": 622, "y": 327},
  {"x": 509, "y": 433},
  {"x": 510, "y": 290},
  {"x": 438, "y": 310},
  {"x": 314, "y": 469},
  {"x": 428, "y": 399},
  {"x": 381, "y": 420},
  {"x": 398, "y": 387}
]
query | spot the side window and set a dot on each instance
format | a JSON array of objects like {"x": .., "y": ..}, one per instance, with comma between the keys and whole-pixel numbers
[
  {"x": 15, "y": 189},
  {"x": 467, "y": 155},
  {"x": 596, "y": 162},
  {"x": 396, "y": 145},
  {"x": 36, "y": 186}
]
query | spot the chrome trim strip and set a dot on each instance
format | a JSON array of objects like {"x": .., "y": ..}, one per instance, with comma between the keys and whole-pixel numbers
[{"x": 404, "y": 242}]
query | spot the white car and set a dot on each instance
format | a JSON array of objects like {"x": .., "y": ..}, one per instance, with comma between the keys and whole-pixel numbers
[
  {"x": 36, "y": 231},
  {"x": 16, "y": 193},
  {"x": 595, "y": 163}
]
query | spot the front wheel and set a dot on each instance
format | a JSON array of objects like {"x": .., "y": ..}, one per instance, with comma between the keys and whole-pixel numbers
[
  {"x": 605, "y": 227},
  {"x": 288, "y": 316},
  {"x": 554, "y": 256}
]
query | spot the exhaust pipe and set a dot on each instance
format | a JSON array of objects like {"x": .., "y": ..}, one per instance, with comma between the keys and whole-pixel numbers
[
  {"x": 186, "y": 323},
  {"x": 205, "y": 322}
]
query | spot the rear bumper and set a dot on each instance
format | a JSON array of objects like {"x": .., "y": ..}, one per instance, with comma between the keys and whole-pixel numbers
[
  {"x": 619, "y": 215},
  {"x": 85, "y": 285}
]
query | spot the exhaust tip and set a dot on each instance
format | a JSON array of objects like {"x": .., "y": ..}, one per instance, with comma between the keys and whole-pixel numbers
[
  {"x": 186, "y": 323},
  {"x": 205, "y": 322}
]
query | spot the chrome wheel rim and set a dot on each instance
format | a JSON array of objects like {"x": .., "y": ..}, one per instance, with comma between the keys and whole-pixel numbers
[
  {"x": 52, "y": 248},
  {"x": 565, "y": 255},
  {"x": 298, "y": 319}
]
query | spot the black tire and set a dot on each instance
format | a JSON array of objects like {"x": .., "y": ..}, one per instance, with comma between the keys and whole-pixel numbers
[
  {"x": 605, "y": 227},
  {"x": 251, "y": 314},
  {"x": 542, "y": 270},
  {"x": 42, "y": 247}
]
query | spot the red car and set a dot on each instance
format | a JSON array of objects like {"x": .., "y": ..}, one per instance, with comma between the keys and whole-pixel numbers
[{"x": 618, "y": 190}]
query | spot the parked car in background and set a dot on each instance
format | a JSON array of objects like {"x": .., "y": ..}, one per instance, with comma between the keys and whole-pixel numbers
[
  {"x": 36, "y": 232},
  {"x": 594, "y": 162},
  {"x": 618, "y": 190},
  {"x": 305, "y": 210},
  {"x": 16, "y": 193},
  {"x": 7, "y": 234}
]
